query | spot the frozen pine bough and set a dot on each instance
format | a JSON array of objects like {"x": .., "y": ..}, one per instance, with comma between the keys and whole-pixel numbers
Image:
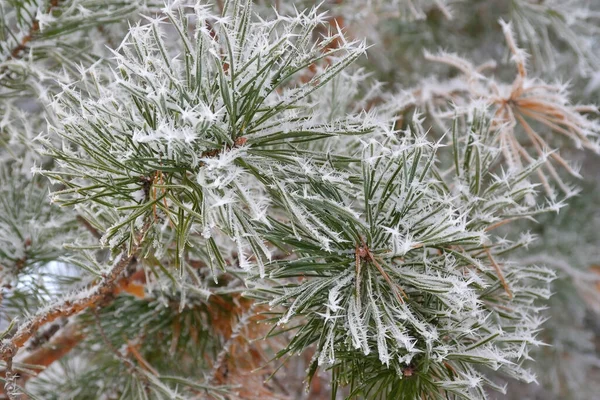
[{"x": 237, "y": 209}]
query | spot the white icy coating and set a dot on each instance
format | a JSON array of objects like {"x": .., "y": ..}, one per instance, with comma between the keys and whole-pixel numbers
[{"x": 242, "y": 137}]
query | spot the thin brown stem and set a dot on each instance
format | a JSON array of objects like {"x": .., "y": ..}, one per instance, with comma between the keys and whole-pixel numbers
[
  {"x": 363, "y": 253},
  {"x": 18, "y": 51},
  {"x": 499, "y": 273},
  {"x": 89, "y": 227}
]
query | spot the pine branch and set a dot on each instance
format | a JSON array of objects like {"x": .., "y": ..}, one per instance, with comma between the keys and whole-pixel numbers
[
  {"x": 72, "y": 304},
  {"x": 48, "y": 353},
  {"x": 260, "y": 167},
  {"x": 18, "y": 50}
]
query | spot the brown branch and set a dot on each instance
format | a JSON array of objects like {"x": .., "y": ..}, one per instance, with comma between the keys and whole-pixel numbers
[
  {"x": 35, "y": 28},
  {"x": 56, "y": 342},
  {"x": 48, "y": 353},
  {"x": 70, "y": 306}
]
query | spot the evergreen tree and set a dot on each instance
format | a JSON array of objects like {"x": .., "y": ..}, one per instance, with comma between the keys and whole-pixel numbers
[{"x": 283, "y": 200}]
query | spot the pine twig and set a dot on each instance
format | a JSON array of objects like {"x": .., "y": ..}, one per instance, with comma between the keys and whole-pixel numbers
[
  {"x": 109, "y": 344},
  {"x": 89, "y": 227},
  {"x": 35, "y": 28},
  {"x": 50, "y": 352},
  {"x": 72, "y": 305},
  {"x": 499, "y": 273}
]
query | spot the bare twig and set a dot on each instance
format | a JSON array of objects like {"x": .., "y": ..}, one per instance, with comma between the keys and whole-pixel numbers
[{"x": 499, "y": 273}]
